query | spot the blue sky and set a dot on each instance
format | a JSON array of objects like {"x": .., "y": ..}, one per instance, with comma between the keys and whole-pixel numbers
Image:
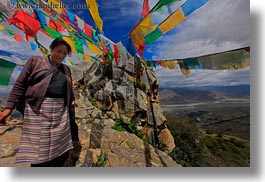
[{"x": 218, "y": 26}]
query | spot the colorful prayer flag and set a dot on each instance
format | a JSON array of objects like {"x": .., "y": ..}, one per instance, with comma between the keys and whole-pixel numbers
[
  {"x": 11, "y": 32},
  {"x": 162, "y": 3},
  {"x": 55, "y": 26},
  {"x": 153, "y": 36},
  {"x": 88, "y": 30},
  {"x": 184, "y": 70},
  {"x": 33, "y": 46},
  {"x": 146, "y": 25},
  {"x": 78, "y": 44},
  {"x": 6, "y": 70},
  {"x": 231, "y": 60},
  {"x": 116, "y": 54},
  {"x": 93, "y": 9},
  {"x": 145, "y": 9},
  {"x": 18, "y": 37},
  {"x": 56, "y": 5},
  {"x": 53, "y": 33},
  {"x": 71, "y": 42},
  {"x": 191, "y": 5},
  {"x": 174, "y": 19},
  {"x": 25, "y": 22},
  {"x": 87, "y": 58},
  {"x": 93, "y": 48},
  {"x": 2, "y": 27}
]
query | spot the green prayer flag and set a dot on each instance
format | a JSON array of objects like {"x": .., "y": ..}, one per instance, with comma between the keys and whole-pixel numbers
[
  {"x": 78, "y": 44},
  {"x": 86, "y": 37},
  {"x": 162, "y": 3},
  {"x": 11, "y": 32},
  {"x": 153, "y": 36},
  {"x": 80, "y": 56},
  {"x": 150, "y": 64},
  {"x": 6, "y": 70},
  {"x": 192, "y": 63},
  {"x": 3, "y": 16},
  {"x": 109, "y": 56},
  {"x": 53, "y": 33},
  {"x": 95, "y": 36}
]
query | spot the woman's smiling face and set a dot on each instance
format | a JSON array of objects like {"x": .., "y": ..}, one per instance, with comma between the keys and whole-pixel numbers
[{"x": 58, "y": 54}]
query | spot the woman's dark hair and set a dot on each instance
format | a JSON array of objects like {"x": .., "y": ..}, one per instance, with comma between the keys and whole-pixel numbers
[{"x": 59, "y": 41}]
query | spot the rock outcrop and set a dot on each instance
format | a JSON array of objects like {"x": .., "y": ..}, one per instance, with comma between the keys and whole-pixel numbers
[{"x": 110, "y": 96}]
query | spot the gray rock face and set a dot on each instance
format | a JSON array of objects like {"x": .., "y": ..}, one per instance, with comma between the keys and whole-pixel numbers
[
  {"x": 130, "y": 90},
  {"x": 123, "y": 149}
]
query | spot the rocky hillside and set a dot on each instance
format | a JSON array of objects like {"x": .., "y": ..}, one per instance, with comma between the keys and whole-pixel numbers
[
  {"x": 183, "y": 95},
  {"x": 121, "y": 123}
]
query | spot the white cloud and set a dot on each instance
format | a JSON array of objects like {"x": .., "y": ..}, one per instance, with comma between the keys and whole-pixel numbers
[{"x": 174, "y": 78}]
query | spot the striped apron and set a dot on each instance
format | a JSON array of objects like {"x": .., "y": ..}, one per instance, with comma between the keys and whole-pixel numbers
[{"x": 46, "y": 133}]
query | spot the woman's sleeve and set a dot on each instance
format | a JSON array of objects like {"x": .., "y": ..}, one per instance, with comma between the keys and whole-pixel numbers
[
  {"x": 72, "y": 91},
  {"x": 20, "y": 87}
]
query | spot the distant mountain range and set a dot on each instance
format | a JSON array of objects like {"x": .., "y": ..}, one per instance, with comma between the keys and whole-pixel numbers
[{"x": 180, "y": 95}]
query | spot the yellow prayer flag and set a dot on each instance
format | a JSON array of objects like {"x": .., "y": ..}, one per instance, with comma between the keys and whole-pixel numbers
[
  {"x": 71, "y": 42},
  {"x": 137, "y": 36},
  {"x": 56, "y": 5},
  {"x": 93, "y": 9},
  {"x": 147, "y": 25},
  {"x": 87, "y": 58},
  {"x": 2, "y": 27},
  {"x": 93, "y": 48},
  {"x": 174, "y": 19},
  {"x": 100, "y": 44},
  {"x": 184, "y": 70},
  {"x": 170, "y": 64}
]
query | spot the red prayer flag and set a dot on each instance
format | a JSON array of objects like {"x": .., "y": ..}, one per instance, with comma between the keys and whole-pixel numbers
[
  {"x": 56, "y": 26},
  {"x": 116, "y": 54},
  {"x": 65, "y": 17},
  {"x": 18, "y": 37},
  {"x": 25, "y": 22},
  {"x": 105, "y": 50},
  {"x": 145, "y": 9},
  {"x": 140, "y": 49},
  {"x": 88, "y": 30}
]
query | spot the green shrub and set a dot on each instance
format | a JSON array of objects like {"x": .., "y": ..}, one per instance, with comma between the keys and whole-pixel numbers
[
  {"x": 94, "y": 102},
  {"x": 131, "y": 128},
  {"x": 101, "y": 160},
  {"x": 130, "y": 145},
  {"x": 142, "y": 86}
]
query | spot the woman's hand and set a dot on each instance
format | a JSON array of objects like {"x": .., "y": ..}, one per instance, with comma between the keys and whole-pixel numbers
[{"x": 4, "y": 115}]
